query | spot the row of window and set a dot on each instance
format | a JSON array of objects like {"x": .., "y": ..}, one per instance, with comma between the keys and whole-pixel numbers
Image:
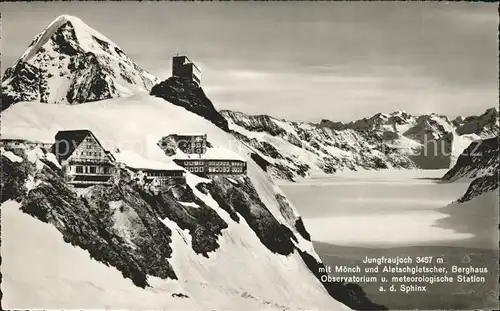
[
  {"x": 88, "y": 153},
  {"x": 196, "y": 169},
  {"x": 226, "y": 163},
  {"x": 214, "y": 163},
  {"x": 219, "y": 169},
  {"x": 197, "y": 150},
  {"x": 193, "y": 163},
  {"x": 163, "y": 174},
  {"x": 225, "y": 170},
  {"x": 193, "y": 145},
  {"x": 92, "y": 169}
]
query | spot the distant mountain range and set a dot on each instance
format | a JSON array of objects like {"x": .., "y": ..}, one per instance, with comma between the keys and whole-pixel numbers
[{"x": 397, "y": 140}]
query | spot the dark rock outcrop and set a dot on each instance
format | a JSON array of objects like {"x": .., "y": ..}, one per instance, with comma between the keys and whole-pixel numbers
[
  {"x": 479, "y": 159},
  {"x": 479, "y": 186},
  {"x": 190, "y": 96},
  {"x": 244, "y": 200},
  {"x": 114, "y": 224},
  {"x": 484, "y": 125},
  {"x": 203, "y": 223},
  {"x": 13, "y": 178}
]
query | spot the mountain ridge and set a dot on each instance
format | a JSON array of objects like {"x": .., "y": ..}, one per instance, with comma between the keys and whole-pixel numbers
[{"x": 294, "y": 149}]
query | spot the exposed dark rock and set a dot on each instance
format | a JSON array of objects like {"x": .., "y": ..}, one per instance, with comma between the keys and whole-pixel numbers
[
  {"x": 190, "y": 96},
  {"x": 95, "y": 223},
  {"x": 483, "y": 125},
  {"x": 245, "y": 200},
  {"x": 479, "y": 186},
  {"x": 299, "y": 225},
  {"x": 480, "y": 157},
  {"x": 22, "y": 76},
  {"x": 13, "y": 179},
  {"x": 261, "y": 162},
  {"x": 203, "y": 223},
  {"x": 65, "y": 40},
  {"x": 271, "y": 150},
  {"x": 257, "y": 123}
]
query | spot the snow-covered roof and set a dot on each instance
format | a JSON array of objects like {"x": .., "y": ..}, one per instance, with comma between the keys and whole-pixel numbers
[
  {"x": 212, "y": 153},
  {"x": 189, "y": 134},
  {"x": 136, "y": 161}
]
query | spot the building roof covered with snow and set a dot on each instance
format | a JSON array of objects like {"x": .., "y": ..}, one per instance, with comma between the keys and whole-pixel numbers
[
  {"x": 210, "y": 154},
  {"x": 139, "y": 162},
  {"x": 68, "y": 141}
]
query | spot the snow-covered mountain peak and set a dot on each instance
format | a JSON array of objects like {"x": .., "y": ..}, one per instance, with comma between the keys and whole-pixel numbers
[
  {"x": 82, "y": 35},
  {"x": 69, "y": 62}
]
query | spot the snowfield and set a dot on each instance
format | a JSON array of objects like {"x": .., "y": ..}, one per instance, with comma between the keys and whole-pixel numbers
[
  {"x": 41, "y": 271},
  {"x": 478, "y": 217}
]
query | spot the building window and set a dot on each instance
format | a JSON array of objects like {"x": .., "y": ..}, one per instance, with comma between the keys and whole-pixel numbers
[
  {"x": 93, "y": 170},
  {"x": 79, "y": 169}
]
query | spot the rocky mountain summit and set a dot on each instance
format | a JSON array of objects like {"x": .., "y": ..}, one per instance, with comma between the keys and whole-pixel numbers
[
  {"x": 485, "y": 125},
  {"x": 190, "y": 96},
  {"x": 71, "y": 63}
]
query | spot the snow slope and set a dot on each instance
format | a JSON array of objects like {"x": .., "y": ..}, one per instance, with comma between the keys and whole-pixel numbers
[
  {"x": 41, "y": 271},
  {"x": 136, "y": 124},
  {"x": 478, "y": 216},
  {"x": 70, "y": 63}
]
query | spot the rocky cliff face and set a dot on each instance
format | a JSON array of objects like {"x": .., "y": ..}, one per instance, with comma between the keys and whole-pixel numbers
[
  {"x": 291, "y": 149},
  {"x": 190, "y": 96},
  {"x": 71, "y": 63},
  {"x": 398, "y": 121},
  {"x": 480, "y": 158},
  {"x": 484, "y": 125},
  {"x": 480, "y": 162}
]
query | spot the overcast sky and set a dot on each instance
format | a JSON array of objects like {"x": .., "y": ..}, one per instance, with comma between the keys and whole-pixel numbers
[{"x": 302, "y": 61}]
